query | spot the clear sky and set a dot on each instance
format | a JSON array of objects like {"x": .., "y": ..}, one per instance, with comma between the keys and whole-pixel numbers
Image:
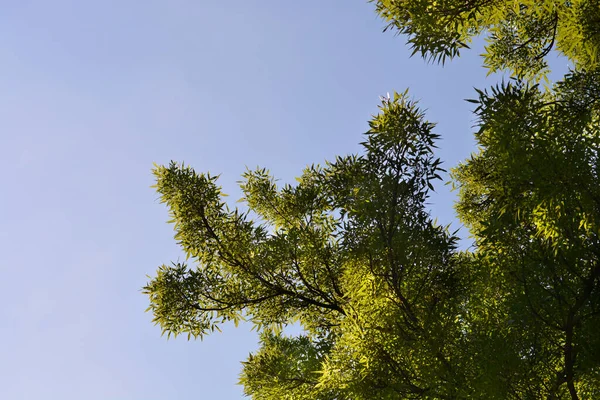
[{"x": 93, "y": 92}]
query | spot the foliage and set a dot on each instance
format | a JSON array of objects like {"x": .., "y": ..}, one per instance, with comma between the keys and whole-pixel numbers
[
  {"x": 519, "y": 33},
  {"x": 390, "y": 308},
  {"x": 531, "y": 199},
  {"x": 349, "y": 253}
]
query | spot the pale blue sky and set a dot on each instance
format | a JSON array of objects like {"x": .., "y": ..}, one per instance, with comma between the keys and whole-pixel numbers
[{"x": 93, "y": 92}]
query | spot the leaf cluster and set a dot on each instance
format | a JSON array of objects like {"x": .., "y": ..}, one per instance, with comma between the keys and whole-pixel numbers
[
  {"x": 519, "y": 33},
  {"x": 389, "y": 307}
]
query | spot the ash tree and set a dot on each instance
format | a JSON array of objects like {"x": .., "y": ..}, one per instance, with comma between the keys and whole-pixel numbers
[
  {"x": 388, "y": 305},
  {"x": 349, "y": 253}
]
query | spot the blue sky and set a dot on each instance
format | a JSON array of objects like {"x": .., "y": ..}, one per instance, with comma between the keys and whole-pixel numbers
[{"x": 93, "y": 92}]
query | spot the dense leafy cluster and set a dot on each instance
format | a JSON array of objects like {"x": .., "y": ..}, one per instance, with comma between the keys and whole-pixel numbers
[
  {"x": 388, "y": 305},
  {"x": 519, "y": 33},
  {"x": 349, "y": 253},
  {"x": 531, "y": 198}
]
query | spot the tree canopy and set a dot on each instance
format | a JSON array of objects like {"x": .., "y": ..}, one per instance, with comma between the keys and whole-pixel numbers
[
  {"x": 390, "y": 307},
  {"x": 519, "y": 33}
]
